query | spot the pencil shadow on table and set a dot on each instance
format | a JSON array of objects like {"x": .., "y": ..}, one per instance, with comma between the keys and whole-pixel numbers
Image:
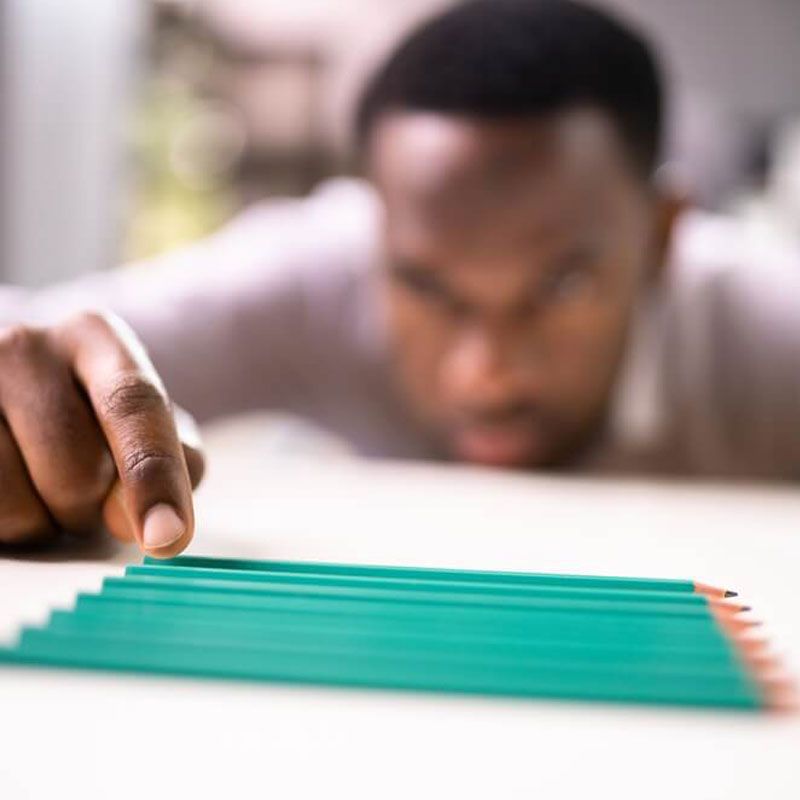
[{"x": 71, "y": 548}]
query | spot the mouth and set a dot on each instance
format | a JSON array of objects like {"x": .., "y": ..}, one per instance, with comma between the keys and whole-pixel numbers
[{"x": 499, "y": 445}]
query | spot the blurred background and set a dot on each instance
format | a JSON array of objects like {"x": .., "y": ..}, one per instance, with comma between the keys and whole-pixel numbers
[{"x": 129, "y": 128}]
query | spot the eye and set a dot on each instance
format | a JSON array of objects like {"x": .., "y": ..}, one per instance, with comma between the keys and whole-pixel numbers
[
  {"x": 566, "y": 282},
  {"x": 420, "y": 281},
  {"x": 426, "y": 285}
]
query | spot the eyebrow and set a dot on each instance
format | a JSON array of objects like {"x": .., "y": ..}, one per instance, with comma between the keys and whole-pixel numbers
[
  {"x": 417, "y": 273},
  {"x": 579, "y": 253},
  {"x": 403, "y": 264}
]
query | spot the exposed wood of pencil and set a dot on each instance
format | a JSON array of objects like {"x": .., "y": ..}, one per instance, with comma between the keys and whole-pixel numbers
[
  {"x": 749, "y": 645},
  {"x": 763, "y": 664},
  {"x": 730, "y": 623},
  {"x": 779, "y": 692},
  {"x": 713, "y": 591},
  {"x": 725, "y": 606}
]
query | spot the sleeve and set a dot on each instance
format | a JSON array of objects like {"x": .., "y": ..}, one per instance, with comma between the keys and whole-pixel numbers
[
  {"x": 765, "y": 322},
  {"x": 745, "y": 342},
  {"x": 230, "y": 322}
]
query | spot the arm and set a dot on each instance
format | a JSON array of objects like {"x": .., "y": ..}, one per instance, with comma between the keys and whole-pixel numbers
[
  {"x": 88, "y": 430},
  {"x": 231, "y": 322},
  {"x": 735, "y": 350}
]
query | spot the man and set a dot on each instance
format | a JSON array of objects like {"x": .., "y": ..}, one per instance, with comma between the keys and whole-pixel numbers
[{"x": 511, "y": 287}]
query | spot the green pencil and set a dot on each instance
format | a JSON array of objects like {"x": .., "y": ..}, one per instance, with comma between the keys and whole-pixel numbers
[
  {"x": 560, "y": 627},
  {"x": 384, "y": 671},
  {"x": 514, "y": 634},
  {"x": 524, "y": 578},
  {"x": 198, "y": 628},
  {"x": 275, "y": 580},
  {"x": 510, "y": 621},
  {"x": 218, "y": 591},
  {"x": 64, "y": 634}
]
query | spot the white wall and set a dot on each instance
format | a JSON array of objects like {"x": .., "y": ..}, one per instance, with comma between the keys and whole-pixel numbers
[
  {"x": 744, "y": 52},
  {"x": 735, "y": 70},
  {"x": 68, "y": 66},
  {"x": 734, "y": 64}
]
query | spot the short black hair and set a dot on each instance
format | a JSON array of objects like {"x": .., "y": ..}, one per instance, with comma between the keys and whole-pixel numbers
[{"x": 510, "y": 58}]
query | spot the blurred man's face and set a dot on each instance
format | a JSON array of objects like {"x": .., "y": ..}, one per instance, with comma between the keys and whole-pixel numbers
[{"x": 516, "y": 252}]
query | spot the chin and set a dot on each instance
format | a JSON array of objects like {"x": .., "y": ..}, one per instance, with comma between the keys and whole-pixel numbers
[
  {"x": 507, "y": 454},
  {"x": 497, "y": 463}
]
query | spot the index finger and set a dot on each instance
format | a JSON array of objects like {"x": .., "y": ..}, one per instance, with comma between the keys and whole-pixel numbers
[{"x": 136, "y": 418}]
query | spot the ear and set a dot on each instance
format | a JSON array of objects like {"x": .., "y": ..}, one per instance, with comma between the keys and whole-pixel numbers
[{"x": 670, "y": 200}]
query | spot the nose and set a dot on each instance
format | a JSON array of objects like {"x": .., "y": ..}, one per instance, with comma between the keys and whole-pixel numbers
[{"x": 485, "y": 369}]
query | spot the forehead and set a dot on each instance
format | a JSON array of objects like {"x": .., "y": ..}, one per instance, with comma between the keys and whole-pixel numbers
[{"x": 450, "y": 181}]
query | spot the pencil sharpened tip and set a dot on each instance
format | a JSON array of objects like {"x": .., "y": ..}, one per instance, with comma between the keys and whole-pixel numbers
[
  {"x": 729, "y": 593},
  {"x": 710, "y": 591}
]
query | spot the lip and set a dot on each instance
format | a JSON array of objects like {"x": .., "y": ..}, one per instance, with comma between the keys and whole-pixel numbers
[{"x": 507, "y": 446}]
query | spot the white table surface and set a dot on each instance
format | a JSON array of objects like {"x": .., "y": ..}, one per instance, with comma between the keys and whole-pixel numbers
[{"x": 88, "y": 735}]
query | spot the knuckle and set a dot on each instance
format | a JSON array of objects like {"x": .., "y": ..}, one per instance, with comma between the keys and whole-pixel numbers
[
  {"x": 130, "y": 395},
  {"x": 20, "y": 341},
  {"x": 79, "y": 326},
  {"x": 18, "y": 526},
  {"x": 145, "y": 465},
  {"x": 91, "y": 319},
  {"x": 84, "y": 490}
]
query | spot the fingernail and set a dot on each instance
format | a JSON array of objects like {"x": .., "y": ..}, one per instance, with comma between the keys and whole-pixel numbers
[{"x": 162, "y": 527}]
